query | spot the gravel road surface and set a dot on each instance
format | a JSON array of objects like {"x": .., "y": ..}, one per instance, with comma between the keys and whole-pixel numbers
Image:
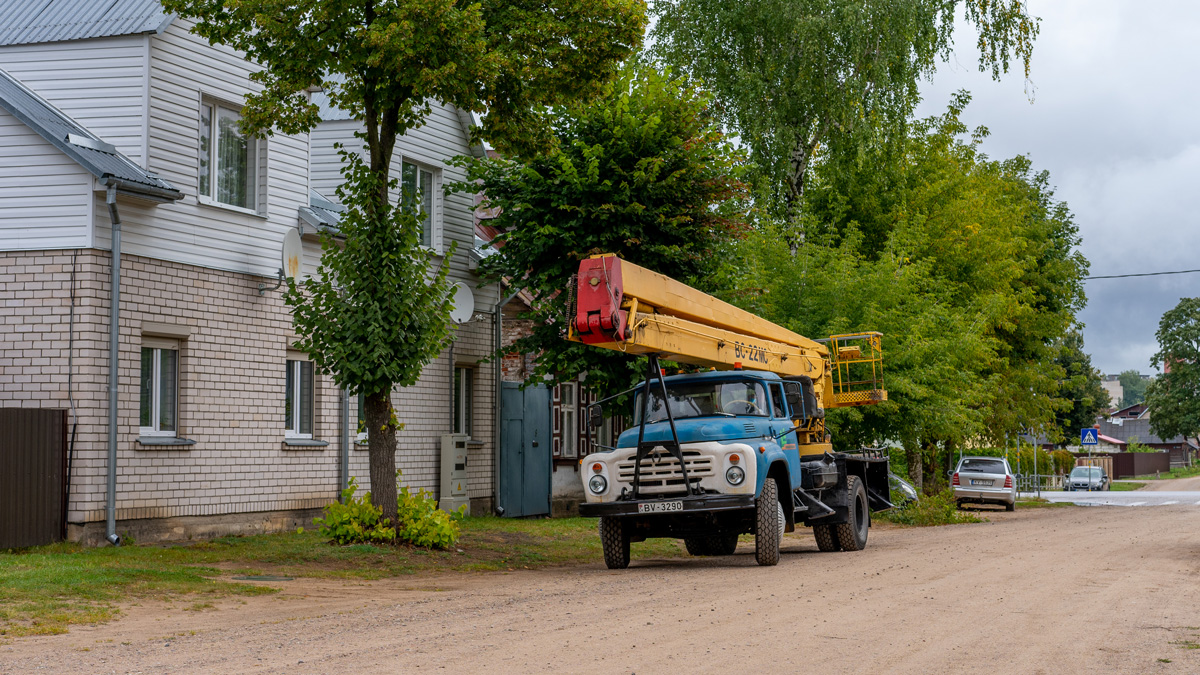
[{"x": 1055, "y": 590}]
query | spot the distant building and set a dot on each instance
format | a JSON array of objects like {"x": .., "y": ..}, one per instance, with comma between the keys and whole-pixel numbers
[{"x": 1112, "y": 384}]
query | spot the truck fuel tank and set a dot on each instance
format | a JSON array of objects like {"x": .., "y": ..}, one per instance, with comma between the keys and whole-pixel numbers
[{"x": 818, "y": 472}]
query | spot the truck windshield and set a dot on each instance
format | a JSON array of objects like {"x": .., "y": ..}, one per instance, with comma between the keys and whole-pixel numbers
[{"x": 700, "y": 399}]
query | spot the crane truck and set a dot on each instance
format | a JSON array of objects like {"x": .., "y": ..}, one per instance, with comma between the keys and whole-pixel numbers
[{"x": 740, "y": 448}]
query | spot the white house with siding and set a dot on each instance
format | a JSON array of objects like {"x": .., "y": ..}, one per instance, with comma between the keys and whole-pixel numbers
[{"x": 116, "y": 111}]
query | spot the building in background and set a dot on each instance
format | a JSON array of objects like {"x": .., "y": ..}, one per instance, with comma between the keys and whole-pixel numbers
[{"x": 120, "y": 114}]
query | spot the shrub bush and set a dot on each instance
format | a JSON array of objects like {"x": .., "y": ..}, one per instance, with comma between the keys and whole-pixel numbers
[
  {"x": 935, "y": 509},
  {"x": 355, "y": 520}
]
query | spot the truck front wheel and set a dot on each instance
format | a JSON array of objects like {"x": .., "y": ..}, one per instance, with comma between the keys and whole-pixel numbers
[
  {"x": 852, "y": 535},
  {"x": 615, "y": 541},
  {"x": 767, "y": 530}
]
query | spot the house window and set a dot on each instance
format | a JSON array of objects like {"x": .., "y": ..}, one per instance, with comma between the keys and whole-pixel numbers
[
  {"x": 298, "y": 400},
  {"x": 566, "y": 420},
  {"x": 228, "y": 158},
  {"x": 362, "y": 418},
  {"x": 160, "y": 389},
  {"x": 417, "y": 183},
  {"x": 464, "y": 400}
]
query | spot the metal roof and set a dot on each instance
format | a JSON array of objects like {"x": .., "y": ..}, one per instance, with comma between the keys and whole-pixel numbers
[
  {"x": 30, "y": 21},
  {"x": 101, "y": 159},
  {"x": 321, "y": 214}
]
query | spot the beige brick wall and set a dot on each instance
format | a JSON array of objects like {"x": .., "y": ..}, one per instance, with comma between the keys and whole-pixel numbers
[{"x": 231, "y": 389}]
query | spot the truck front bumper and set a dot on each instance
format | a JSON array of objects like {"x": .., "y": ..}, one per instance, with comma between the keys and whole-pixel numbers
[{"x": 691, "y": 504}]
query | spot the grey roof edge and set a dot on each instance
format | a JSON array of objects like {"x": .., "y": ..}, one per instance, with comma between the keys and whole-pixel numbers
[
  {"x": 141, "y": 184},
  {"x": 48, "y": 21}
]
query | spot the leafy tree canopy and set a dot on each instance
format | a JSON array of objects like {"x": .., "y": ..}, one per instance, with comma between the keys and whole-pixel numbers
[
  {"x": 1174, "y": 396},
  {"x": 967, "y": 265},
  {"x": 644, "y": 172},
  {"x": 1133, "y": 388},
  {"x": 1080, "y": 386},
  {"x": 792, "y": 76},
  {"x": 376, "y": 313}
]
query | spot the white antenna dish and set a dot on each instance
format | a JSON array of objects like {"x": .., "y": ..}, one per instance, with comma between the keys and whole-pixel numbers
[
  {"x": 462, "y": 302},
  {"x": 292, "y": 252}
]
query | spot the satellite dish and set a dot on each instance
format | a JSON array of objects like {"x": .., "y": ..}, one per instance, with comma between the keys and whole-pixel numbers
[
  {"x": 462, "y": 302},
  {"x": 292, "y": 251}
]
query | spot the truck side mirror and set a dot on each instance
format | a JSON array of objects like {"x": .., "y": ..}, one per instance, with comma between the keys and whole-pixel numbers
[
  {"x": 802, "y": 400},
  {"x": 595, "y": 416}
]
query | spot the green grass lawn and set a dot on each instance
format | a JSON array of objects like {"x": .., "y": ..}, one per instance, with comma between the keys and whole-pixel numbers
[
  {"x": 1116, "y": 486},
  {"x": 48, "y": 588},
  {"x": 1183, "y": 472}
]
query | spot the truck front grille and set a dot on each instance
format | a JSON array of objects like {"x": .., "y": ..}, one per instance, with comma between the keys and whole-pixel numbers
[{"x": 664, "y": 475}]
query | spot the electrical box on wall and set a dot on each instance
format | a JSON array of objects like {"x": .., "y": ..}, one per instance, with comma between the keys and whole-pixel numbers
[{"x": 454, "y": 473}]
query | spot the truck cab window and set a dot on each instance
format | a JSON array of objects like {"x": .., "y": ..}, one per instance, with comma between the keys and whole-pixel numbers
[{"x": 777, "y": 401}]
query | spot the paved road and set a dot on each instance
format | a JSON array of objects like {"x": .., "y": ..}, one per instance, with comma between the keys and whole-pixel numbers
[
  {"x": 1134, "y": 498},
  {"x": 1039, "y": 591}
]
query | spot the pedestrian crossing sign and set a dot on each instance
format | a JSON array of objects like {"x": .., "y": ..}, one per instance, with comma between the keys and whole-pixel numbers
[{"x": 1088, "y": 437}]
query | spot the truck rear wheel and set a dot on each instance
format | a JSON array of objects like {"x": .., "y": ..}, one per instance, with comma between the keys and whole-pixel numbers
[
  {"x": 713, "y": 544},
  {"x": 615, "y": 541},
  {"x": 826, "y": 540},
  {"x": 767, "y": 530},
  {"x": 852, "y": 535}
]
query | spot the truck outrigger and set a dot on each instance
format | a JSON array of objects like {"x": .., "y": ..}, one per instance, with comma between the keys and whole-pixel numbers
[{"x": 739, "y": 449}]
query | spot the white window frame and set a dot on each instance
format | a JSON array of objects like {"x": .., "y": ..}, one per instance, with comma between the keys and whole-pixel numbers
[
  {"x": 294, "y": 362},
  {"x": 568, "y": 427},
  {"x": 254, "y": 162},
  {"x": 158, "y": 346},
  {"x": 435, "y": 202},
  {"x": 463, "y": 390}
]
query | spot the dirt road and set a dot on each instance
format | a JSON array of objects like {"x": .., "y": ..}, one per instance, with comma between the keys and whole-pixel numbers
[
  {"x": 1065, "y": 590},
  {"x": 1173, "y": 485}
]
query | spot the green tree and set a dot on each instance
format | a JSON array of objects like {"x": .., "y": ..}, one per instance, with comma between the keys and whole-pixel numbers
[
  {"x": 377, "y": 311},
  {"x": 792, "y": 76},
  {"x": 1133, "y": 388},
  {"x": 1081, "y": 386},
  {"x": 964, "y": 263},
  {"x": 1174, "y": 396},
  {"x": 644, "y": 172}
]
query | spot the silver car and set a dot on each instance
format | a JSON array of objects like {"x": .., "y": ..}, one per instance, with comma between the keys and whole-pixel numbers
[
  {"x": 1087, "y": 479},
  {"x": 985, "y": 480}
]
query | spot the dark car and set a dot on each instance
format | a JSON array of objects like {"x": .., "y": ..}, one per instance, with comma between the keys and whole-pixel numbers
[{"x": 1087, "y": 479}]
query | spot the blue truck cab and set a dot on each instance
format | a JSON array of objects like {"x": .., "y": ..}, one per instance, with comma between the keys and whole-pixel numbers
[{"x": 749, "y": 465}]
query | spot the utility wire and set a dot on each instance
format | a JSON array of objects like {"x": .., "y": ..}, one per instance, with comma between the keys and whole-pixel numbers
[{"x": 1143, "y": 274}]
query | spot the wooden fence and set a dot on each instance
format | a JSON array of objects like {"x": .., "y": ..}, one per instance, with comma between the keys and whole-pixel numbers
[{"x": 33, "y": 465}]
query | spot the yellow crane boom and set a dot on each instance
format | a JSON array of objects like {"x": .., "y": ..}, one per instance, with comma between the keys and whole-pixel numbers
[{"x": 624, "y": 307}]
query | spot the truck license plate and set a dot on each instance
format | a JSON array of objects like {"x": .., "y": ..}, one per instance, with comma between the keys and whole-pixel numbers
[{"x": 660, "y": 507}]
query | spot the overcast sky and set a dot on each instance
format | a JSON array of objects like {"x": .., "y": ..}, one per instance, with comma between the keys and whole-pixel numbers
[{"x": 1115, "y": 118}]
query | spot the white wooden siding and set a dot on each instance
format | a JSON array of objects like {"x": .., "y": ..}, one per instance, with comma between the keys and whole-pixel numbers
[
  {"x": 44, "y": 195},
  {"x": 441, "y": 138},
  {"x": 183, "y": 69},
  {"x": 99, "y": 83}
]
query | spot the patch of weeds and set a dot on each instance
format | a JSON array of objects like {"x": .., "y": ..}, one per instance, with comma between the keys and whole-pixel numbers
[
  {"x": 930, "y": 510},
  {"x": 1125, "y": 487},
  {"x": 1040, "y": 503},
  {"x": 1164, "y": 660},
  {"x": 1186, "y": 644},
  {"x": 200, "y": 606}
]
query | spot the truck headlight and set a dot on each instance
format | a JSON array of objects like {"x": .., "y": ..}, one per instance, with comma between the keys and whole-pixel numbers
[
  {"x": 735, "y": 475},
  {"x": 597, "y": 484}
]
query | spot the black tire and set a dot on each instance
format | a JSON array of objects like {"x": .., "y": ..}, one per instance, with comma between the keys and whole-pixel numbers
[
  {"x": 723, "y": 544},
  {"x": 852, "y": 536},
  {"x": 615, "y": 541},
  {"x": 767, "y": 531},
  {"x": 1010, "y": 507},
  {"x": 696, "y": 545},
  {"x": 712, "y": 544},
  {"x": 958, "y": 504},
  {"x": 826, "y": 541}
]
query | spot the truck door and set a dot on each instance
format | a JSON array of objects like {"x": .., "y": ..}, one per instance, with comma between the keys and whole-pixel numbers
[{"x": 781, "y": 421}]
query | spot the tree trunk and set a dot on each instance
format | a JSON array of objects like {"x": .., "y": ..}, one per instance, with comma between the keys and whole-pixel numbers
[
  {"x": 912, "y": 455},
  {"x": 381, "y": 444},
  {"x": 929, "y": 451}
]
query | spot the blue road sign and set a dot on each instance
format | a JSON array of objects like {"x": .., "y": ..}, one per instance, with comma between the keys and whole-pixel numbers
[{"x": 1089, "y": 436}]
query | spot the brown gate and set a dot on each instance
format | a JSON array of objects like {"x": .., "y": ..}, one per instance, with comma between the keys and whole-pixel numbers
[{"x": 33, "y": 462}]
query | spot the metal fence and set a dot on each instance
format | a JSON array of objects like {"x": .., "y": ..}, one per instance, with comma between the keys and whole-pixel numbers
[{"x": 33, "y": 462}]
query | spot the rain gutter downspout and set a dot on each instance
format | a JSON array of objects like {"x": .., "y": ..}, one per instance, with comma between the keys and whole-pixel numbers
[
  {"x": 499, "y": 314},
  {"x": 344, "y": 469},
  {"x": 113, "y": 365}
]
